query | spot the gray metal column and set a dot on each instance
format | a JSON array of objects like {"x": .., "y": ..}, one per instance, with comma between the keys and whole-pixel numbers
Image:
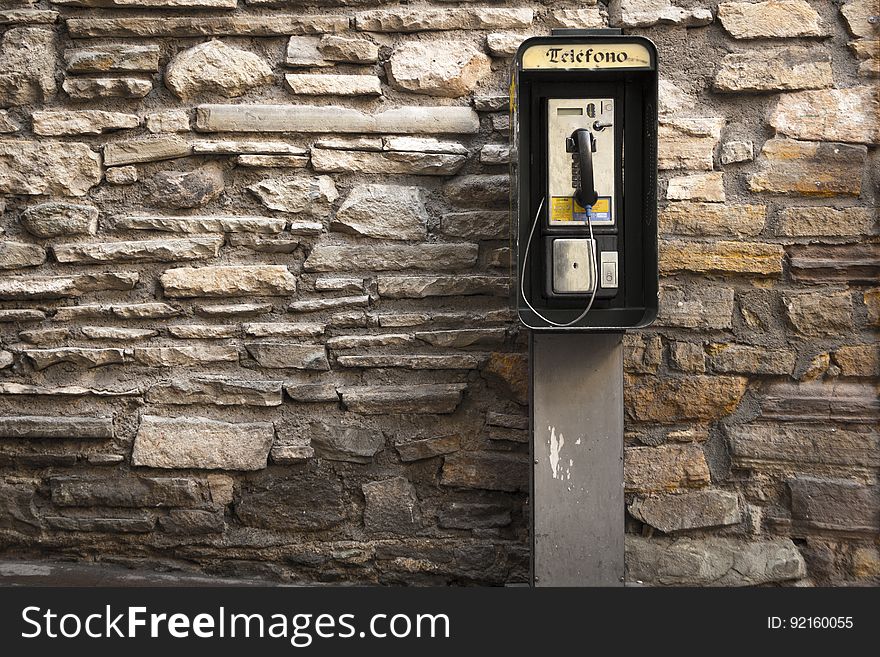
[{"x": 577, "y": 477}]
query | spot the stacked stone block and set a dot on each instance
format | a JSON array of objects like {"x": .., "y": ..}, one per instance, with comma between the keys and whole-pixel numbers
[{"x": 254, "y": 310}]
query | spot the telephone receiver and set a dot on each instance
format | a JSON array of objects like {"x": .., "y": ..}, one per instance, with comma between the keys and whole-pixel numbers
[{"x": 583, "y": 143}]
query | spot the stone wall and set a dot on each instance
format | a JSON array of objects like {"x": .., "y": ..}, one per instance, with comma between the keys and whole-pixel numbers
[{"x": 254, "y": 313}]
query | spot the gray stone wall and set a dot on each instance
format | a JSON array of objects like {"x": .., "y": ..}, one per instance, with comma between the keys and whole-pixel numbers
[{"x": 254, "y": 300}]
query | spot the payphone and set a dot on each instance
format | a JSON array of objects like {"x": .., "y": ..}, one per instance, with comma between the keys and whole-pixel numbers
[{"x": 584, "y": 172}]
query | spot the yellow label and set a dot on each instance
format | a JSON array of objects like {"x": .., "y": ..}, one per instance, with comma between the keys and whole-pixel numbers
[
  {"x": 602, "y": 205},
  {"x": 587, "y": 55},
  {"x": 560, "y": 208}
]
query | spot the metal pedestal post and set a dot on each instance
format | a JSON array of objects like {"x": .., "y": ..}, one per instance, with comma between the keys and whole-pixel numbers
[{"x": 577, "y": 459}]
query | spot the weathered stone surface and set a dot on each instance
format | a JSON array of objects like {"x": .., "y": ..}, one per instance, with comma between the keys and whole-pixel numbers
[
  {"x": 642, "y": 354},
  {"x": 802, "y": 221},
  {"x": 730, "y": 358},
  {"x": 126, "y": 175},
  {"x": 809, "y": 168},
  {"x": 773, "y": 19},
  {"x": 415, "y": 361},
  {"x": 149, "y": 4},
  {"x": 368, "y": 341},
  {"x": 511, "y": 372},
  {"x": 14, "y": 288},
  {"x": 423, "y": 20},
  {"x": 391, "y": 506},
  {"x": 145, "y": 150},
  {"x": 419, "y": 287},
  {"x": 54, "y": 123},
  {"x": 647, "y": 13},
  {"x": 45, "y": 336},
  {"x": 288, "y": 454},
  {"x": 424, "y": 145},
  {"x": 78, "y": 356},
  {"x": 25, "y": 389},
  {"x": 134, "y": 522},
  {"x": 420, "y": 398},
  {"x": 416, "y": 450},
  {"x": 462, "y": 337},
  {"x": 474, "y": 515},
  {"x": 327, "y": 84},
  {"x": 765, "y": 446},
  {"x": 216, "y": 391},
  {"x": 304, "y": 195},
  {"x": 176, "y": 120},
  {"x": 819, "y": 313},
  {"x": 345, "y": 49},
  {"x": 164, "y": 250},
  {"x": 200, "y": 443},
  {"x": 836, "y": 504},
  {"x": 217, "y": 69},
  {"x": 228, "y": 281},
  {"x": 203, "y": 331},
  {"x": 47, "y": 167},
  {"x": 317, "y": 305},
  {"x": 54, "y": 219},
  {"x": 391, "y": 257},
  {"x": 246, "y": 146},
  {"x": 858, "y": 360},
  {"x": 477, "y": 224},
  {"x": 115, "y": 57},
  {"x": 347, "y": 143},
  {"x": 697, "y": 187},
  {"x": 295, "y": 356},
  {"x": 820, "y": 401},
  {"x": 857, "y": 14},
  {"x": 185, "y": 356},
  {"x": 706, "y": 219},
  {"x": 495, "y": 154},
  {"x": 302, "y": 51},
  {"x": 192, "y": 522},
  {"x": 304, "y": 498},
  {"x": 845, "y": 263},
  {"x": 664, "y": 468},
  {"x": 713, "y": 561},
  {"x": 7, "y": 125},
  {"x": 486, "y": 470},
  {"x": 15, "y": 255},
  {"x": 199, "y": 224},
  {"x": 341, "y": 442},
  {"x": 782, "y": 69},
  {"x": 273, "y": 161},
  {"x": 186, "y": 189},
  {"x": 233, "y": 309},
  {"x": 692, "y": 510},
  {"x": 15, "y": 315},
  {"x": 491, "y": 103},
  {"x": 311, "y": 392},
  {"x": 687, "y": 357},
  {"x": 847, "y": 115},
  {"x": 688, "y": 143},
  {"x": 106, "y": 87},
  {"x": 6, "y": 359},
  {"x": 470, "y": 189},
  {"x": 722, "y": 256},
  {"x": 128, "y": 491},
  {"x": 442, "y": 68},
  {"x": 72, "y": 427},
  {"x": 670, "y": 400},
  {"x": 122, "y": 311},
  {"x": 420, "y": 164},
  {"x": 283, "y": 330},
  {"x": 332, "y": 119},
  {"x": 114, "y": 334},
  {"x": 191, "y": 26},
  {"x": 386, "y": 211},
  {"x": 737, "y": 151},
  {"x": 27, "y": 66}
]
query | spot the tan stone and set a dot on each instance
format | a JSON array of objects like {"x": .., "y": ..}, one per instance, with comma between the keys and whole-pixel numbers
[
  {"x": 706, "y": 219},
  {"x": 388, "y": 162},
  {"x": 511, "y": 371},
  {"x": 800, "y": 221},
  {"x": 696, "y": 306},
  {"x": 324, "y": 84},
  {"x": 81, "y": 88},
  {"x": 185, "y": 356},
  {"x": 302, "y": 194},
  {"x": 688, "y": 143},
  {"x": 47, "y": 167},
  {"x": 394, "y": 212},
  {"x": 721, "y": 256},
  {"x": 858, "y": 360},
  {"x": 673, "y": 400},
  {"x": 847, "y": 115},
  {"x": 664, "y": 468},
  {"x": 81, "y": 122},
  {"x": 423, "y": 20},
  {"x": 809, "y": 168},
  {"x": 216, "y": 68},
  {"x": 441, "y": 68},
  {"x": 122, "y": 57},
  {"x": 690, "y": 510},
  {"x": 783, "y": 69},
  {"x": 697, "y": 187},
  {"x": 772, "y": 19},
  {"x": 145, "y": 150},
  {"x": 871, "y": 299},
  {"x": 198, "y": 248},
  {"x": 819, "y": 313},
  {"x": 228, "y": 280},
  {"x": 199, "y": 26},
  {"x": 857, "y": 14},
  {"x": 730, "y": 358},
  {"x": 344, "y": 49}
]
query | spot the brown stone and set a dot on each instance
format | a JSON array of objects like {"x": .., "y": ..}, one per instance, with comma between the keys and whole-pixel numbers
[
  {"x": 809, "y": 168},
  {"x": 819, "y": 313},
  {"x": 845, "y": 263},
  {"x": 721, "y": 256},
  {"x": 783, "y": 69},
  {"x": 771, "y": 19},
  {"x": 858, "y": 360},
  {"x": 486, "y": 470},
  {"x": 696, "y": 306},
  {"x": 708, "y": 219},
  {"x": 671, "y": 400},
  {"x": 691, "y": 510},
  {"x": 511, "y": 371},
  {"x": 225, "y": 281},
  {"x": 731, "y": 358},
  {"x": 416, "y": 450},
  {"x": 664, "y": 468},
  {"x": 791, "y": 446},
  {"x": 799, "y": 221},
  {"x": 379, "y": 400},
  {"x": 845, "y": 115}
]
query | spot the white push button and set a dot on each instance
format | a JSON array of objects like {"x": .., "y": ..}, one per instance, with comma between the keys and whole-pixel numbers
[{"x": 608, "y": 268}]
